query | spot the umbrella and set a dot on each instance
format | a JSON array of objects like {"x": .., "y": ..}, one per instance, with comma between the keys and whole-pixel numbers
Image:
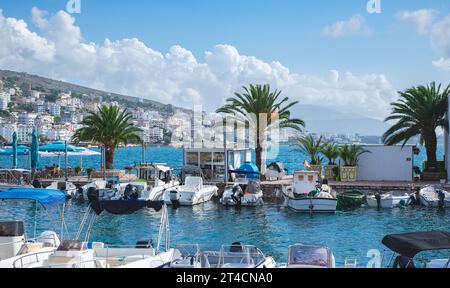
[
  {"x": 14, "y": 149},
  {"x": 34, "y": 150}
]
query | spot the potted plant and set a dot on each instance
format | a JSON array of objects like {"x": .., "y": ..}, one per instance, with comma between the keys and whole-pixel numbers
[
  {"x": 78, "y": 170},
  {"x": 350, "y": 155},
  {"x": 89, "y": 172},
  {"x": 311, "y": 147},
  {"x": 331, "y": 152}
]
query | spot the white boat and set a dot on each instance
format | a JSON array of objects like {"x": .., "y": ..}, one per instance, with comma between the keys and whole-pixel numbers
[
  {"x": 102, "y": 189},
  {"x": 13, "y": 243},
  {"x": 193, "y": 192},
  {"x": 233, "y": 256},
  {"x": 157, "y": 178},
  {"x": 305, "y": 196},
  {"x": 389, "y": 200},
  {"x": 244, "y": 192},
  {"x": 310, "y": 256},
  {"x": 81, "y": 253},
  {"x": 66, "y": 186},
  {"x": 432, "y": 197}
]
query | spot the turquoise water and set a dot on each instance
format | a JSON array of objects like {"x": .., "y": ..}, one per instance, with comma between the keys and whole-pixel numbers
[
  {"x": 271, "y": 228},
  {"x": 126, "y": 157}
]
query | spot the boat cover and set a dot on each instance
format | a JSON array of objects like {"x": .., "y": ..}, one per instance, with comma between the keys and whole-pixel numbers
[
  {"x": 45, "y": 197},
  {"x": 124, "y": 207},
  {"x": 411, "y": 244}
]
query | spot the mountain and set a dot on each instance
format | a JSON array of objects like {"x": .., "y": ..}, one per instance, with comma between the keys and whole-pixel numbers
[
  {"x": 48, "y": 85},
  {"x": 326, "y": 120}
]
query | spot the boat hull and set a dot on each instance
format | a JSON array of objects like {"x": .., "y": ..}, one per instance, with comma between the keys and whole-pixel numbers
[
  {"x": 312, "y": 205},
  {"x": 387, "y": 203},
  {"x": 249, "y": 200},
  {"x": 190, "y": 198}
]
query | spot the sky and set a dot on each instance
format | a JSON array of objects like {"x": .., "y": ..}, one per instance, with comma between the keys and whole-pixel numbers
[{"x": 328, "y": 53}]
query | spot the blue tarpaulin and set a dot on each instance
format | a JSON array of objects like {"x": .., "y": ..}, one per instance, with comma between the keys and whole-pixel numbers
[{"x": 45, "y": 197}]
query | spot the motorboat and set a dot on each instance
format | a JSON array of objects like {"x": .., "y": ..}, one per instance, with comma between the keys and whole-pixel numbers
[
  {"x": 155, "y": 180},
  {"x": 66, "y": 186},
  {"x": 389, "y": 200},
  {"x": 310, "y": 256},
  {"x": 193, "y": 192},
  {"x": 350, "y": 199},
  {"x": 275, "y": 171},
  {"x": 14, "y": 178},
  {"x": 407, "y": 246},
  {"x": 430, "y": 196},
  {"x": 13, "y": 243},
  {"x": 233, "y": 256},
  {"x": 246, "y": 190},
  {"x": 108, "y": 189},
  {"x": 307, "y": 195},
  {"x": 82, "y": 253}
]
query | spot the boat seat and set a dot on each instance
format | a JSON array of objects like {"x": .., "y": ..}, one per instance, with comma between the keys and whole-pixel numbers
[{"x": 31, "y": 247}]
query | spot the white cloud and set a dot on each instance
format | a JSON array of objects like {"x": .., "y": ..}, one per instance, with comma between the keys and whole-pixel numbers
[
  {"x": 130, "y": 67},
  {"x": 356, "y": 25},
  {"x": 422, "y": 19}
]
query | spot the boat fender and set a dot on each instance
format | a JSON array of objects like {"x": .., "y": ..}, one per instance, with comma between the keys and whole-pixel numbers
[
  {"x": 37, "y": 184},
  {"x": 441, "y": 197}
]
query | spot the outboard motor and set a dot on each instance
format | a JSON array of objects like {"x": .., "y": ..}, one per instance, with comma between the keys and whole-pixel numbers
[
  {"x": 93, "y": 194},
  {"x": 175, "y": 197},
  {"x": 12, "y": 237},
  {"x": 49, "y": 238},
  {"x": 37, "y": 184},
  {"x": 441, "y": 197},
  {"x": 237, "y": 194},
  {"x": 378, "y": 198},
  {"x": 130, "y": 193}
]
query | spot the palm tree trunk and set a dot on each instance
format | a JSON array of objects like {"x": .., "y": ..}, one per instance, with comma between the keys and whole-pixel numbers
[
  {"x": 109, "y": 157},
  {"x": 431, "y": 146}
]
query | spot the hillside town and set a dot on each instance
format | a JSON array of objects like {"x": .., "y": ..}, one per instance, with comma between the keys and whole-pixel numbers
[{"x": 58, "y": 114}]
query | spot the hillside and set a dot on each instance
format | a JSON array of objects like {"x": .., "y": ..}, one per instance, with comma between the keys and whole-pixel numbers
[{"x": 48, "y": 85}]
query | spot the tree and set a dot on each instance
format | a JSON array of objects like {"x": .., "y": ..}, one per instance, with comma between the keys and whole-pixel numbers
[
  {"x": 350, "y": 154},
  {"x": 109, "y": 127},
  {"x": 308, "y": 145},
  {"x": 419, "y": 111},
  {"x": 261, "y": 110},
  {"x": 331, "y": 152}
]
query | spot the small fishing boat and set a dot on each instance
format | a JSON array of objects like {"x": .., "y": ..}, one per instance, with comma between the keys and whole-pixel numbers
[
  {"x": 310, "y": 256},
  {"x": 156, "y": 179},
  {"x": 435, "y": 198},
  {"x": 389, "y": 200},
  {"x": 408, "y": 245},
  {"x": 193, "y": 192},
  {"x": 350, "y": 199},
  {"x": 308, "y": 196},
  {"x": 233, "y": 256}
]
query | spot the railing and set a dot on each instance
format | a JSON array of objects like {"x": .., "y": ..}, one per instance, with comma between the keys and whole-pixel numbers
[{"x": 31, "y": 256}]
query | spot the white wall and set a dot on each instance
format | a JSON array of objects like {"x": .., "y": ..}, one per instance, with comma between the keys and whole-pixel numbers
[{"x": 386, "y": 163}]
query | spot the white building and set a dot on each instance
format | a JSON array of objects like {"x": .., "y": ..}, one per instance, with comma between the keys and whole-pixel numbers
[
  {"x": 6, "y": 131},
  {"x": 25, "y": 133},
  {"x": 54, "y": 109}
]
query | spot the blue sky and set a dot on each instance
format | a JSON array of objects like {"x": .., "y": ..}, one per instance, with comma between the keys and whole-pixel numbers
[{"x": 288, "y": 31}]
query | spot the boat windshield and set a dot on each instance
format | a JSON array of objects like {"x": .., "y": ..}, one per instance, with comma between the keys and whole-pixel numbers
[
  {"x": 309, "y": 256},
  {"x": 237, "y": 255}
]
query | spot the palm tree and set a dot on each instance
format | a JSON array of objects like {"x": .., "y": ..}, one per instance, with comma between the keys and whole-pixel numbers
[
  {"x": 331, "y": 152},
  {"x": 308, "y": 145},
  {"x": 419, "y": 111},
  {"x": 110, "y": 127},
  {"x": 262, "y": 110},
  {"x": 350, "y": 154}
]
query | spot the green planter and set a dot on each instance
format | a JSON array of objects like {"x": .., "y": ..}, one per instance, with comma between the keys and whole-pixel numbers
[
  {"x": 329, "y": 172},
  {"x": 349, "y": 174}
]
